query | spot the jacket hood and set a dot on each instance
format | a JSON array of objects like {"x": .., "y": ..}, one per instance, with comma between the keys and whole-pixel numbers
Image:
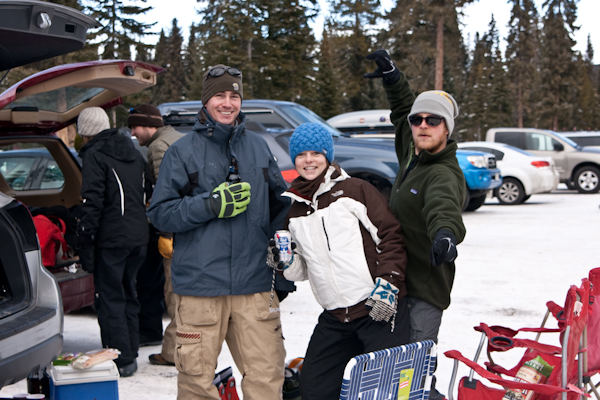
[
  {"x": 207, "y": 126},
  {"x": 113, "y": 144}
]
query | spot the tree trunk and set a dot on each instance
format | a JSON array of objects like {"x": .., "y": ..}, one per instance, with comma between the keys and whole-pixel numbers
[
  {"x": 439, "y": 58},
  {"x": 520, "y": 102}
]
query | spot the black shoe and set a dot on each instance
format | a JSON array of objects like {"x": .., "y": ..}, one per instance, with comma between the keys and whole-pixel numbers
[{"x": 128, "y": 370}]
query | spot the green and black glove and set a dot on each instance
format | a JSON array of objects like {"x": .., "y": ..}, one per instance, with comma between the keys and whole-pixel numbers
[{"x": 228, "y": 200}]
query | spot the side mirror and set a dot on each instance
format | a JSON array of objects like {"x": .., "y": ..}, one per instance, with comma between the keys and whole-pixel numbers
[{"x": 558, "y": 146}]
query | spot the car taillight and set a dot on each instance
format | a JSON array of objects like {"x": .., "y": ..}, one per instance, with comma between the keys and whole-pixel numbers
[
  {"x": 540, "y": 164},
  {"x": 289, "y": 175}
]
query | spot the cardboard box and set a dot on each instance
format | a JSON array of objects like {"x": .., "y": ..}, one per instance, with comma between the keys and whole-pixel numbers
[{"x": 99, "y": 382}]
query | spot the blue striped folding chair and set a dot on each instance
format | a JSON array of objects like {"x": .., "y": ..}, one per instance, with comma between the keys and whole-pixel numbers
[{"x": 402, "y": 373}]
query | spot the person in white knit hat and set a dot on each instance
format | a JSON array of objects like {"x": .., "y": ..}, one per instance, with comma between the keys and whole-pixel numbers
[{"x": 112, "y": 233}]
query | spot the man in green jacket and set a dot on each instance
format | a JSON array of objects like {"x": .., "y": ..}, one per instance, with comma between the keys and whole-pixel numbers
[
  {"x": 427, "y": 196},
  {"x": 147, "y": 126}
]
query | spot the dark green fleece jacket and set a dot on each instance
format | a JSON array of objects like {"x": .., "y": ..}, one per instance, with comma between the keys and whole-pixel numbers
[{"x": 425, "y": 200}]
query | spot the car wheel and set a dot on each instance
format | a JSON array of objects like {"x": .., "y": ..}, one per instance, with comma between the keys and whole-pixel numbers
[
  {"x": 510, "y": 192},
  {"x": 475, "y": 203},
  {"x": 466, "y": 200},
  {"x": 587, "y": 180},
  {"x": 526, "y": 198}
]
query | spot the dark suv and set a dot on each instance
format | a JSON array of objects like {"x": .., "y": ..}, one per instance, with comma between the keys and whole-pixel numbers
[{"x": 372, "y": 160}]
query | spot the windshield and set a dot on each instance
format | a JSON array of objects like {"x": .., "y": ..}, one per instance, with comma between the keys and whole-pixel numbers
[
  {"x": 566, "y": 139},
  {"x": 301, "y": 115},
  {"x": 58, "y": 100}
]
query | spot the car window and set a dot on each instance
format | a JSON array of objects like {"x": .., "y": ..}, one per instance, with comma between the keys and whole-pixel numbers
[
  {"x": 586, "y": 140},
  {"x": 511, "y": 138},
  {"x": 539, "y": 142},
  {"x": 59, "y": 100},
  {"x": 301, "y": 115},
  {"x": 27, "y": 166},
  {"x": 267, "y": 118}
]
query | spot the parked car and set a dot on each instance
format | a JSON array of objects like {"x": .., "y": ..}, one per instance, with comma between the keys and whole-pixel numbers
[
  {"x": 578, "y": 167},
  {"x": 479, "y": 169},
  {"x": 523, "y": 173},
  {"x": 31, "y": 308},
  {"x": 584, "y": 138},
  {"x": 374, "y": 161},
  {"x": 31, "y": 112}
]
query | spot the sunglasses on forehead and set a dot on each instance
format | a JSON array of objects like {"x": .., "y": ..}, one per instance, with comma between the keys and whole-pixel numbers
[
  {"x": 432, "y": 120},
  {"x": 220, "y": 71}
]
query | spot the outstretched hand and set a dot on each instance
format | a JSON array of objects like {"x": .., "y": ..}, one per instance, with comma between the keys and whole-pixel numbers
[{"x": 386, "y": 68}]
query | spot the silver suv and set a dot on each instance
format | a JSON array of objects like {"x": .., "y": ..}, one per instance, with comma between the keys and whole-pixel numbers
[
  {"x": 578, "y": 167},
  {"x": 31, "y": 308}
]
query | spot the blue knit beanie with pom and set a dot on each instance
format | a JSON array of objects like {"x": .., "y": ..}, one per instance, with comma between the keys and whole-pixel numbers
[{"x": 311, "y": 137}]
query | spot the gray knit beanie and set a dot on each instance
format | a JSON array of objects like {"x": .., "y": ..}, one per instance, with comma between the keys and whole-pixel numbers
[
  {"x": 439, "y": 103},
  {"x": 92, "y": 121}
]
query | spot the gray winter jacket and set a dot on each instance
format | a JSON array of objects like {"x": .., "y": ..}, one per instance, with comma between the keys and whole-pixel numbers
[{"x": 218, "y": 256}]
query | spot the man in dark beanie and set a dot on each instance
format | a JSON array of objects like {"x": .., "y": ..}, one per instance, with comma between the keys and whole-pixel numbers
[
  {"x": 113, "y": 230},
  {"x": 427, "y": 196},
  {"x": 146, "y": 124},
  {"x": 219, "y": 190}
]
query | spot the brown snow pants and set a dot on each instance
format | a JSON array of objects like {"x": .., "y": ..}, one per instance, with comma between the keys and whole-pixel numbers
[{"x": 253, "y": 333}]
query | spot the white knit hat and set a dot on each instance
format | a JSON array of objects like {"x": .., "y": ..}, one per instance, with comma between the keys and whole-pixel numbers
[{"x": 92, "y": 121}]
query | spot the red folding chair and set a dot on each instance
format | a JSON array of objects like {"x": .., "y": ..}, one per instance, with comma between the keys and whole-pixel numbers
[{"x": 568, "y": 375}]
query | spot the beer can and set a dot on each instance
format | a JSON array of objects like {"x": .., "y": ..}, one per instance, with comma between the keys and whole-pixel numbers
[{"x": 283, "y": 241}]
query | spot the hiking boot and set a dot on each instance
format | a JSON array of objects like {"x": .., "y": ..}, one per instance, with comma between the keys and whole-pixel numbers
[{"x": 157, "y": 359}]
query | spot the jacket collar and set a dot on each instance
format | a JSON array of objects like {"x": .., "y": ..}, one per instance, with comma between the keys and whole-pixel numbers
[
  {"x": 159, "y": 132},
  {"x": 331, "y": 178},
  {"x": 206, "y": 126}
]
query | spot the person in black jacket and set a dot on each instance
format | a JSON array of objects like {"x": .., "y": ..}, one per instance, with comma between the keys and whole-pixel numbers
[{"x": 112, "y": 233}]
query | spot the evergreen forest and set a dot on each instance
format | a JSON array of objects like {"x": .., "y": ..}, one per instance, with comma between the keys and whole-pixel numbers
[{"x": 531, "y": 78}]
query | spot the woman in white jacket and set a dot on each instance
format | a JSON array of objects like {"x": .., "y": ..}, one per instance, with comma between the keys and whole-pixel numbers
[{"x": 349, "y": 246}]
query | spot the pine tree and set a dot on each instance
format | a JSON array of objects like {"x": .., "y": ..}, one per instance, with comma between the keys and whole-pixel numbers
[
  {"x": 523, "y": 61},
  {"x": 121, "y": 30},
  {"x": 558, "y": 64},
  {"x": 194, "y": 66},
  {"x": 171, "y": 85},
  {"x": 355, "y": 22},
  {"x": 329, "y": 97},
  {"x": 423, "y": 38},
  {"x": 286, "y": 68}
]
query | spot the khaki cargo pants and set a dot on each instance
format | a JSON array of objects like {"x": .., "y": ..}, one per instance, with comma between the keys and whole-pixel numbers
[{"x": 253, "y": 334}]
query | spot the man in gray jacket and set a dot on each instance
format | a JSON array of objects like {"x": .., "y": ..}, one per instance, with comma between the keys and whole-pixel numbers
[
  {"x": 219, "y": 190},
  {"x": 146, "y": 124}
]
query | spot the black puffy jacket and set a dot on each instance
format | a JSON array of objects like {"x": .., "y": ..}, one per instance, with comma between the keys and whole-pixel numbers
[{"x": 116, "y": 185}]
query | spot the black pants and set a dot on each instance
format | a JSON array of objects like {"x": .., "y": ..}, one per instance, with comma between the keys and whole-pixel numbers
[
  {"x": 151, "y": 294},
  {"x": 334, "y": 343},
  {"x": 117, "y": 306}
]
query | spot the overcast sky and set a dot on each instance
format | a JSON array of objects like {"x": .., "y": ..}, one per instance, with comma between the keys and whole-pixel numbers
[{"x": 477, "y": 18}]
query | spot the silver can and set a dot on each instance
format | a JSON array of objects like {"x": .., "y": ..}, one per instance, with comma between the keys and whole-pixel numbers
[{"x": 283, "y": 241}]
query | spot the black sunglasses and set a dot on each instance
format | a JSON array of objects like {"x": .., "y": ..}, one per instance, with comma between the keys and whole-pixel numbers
[
  {"x": 219, "y": 71},
  {"x": 432, "y": 120}
]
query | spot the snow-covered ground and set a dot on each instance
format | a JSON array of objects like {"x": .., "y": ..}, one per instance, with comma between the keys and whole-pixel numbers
[{"x": 513, "y": 260}]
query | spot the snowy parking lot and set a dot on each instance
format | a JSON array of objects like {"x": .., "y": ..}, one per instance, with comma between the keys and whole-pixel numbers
[{"x": 514, "y": 259}]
